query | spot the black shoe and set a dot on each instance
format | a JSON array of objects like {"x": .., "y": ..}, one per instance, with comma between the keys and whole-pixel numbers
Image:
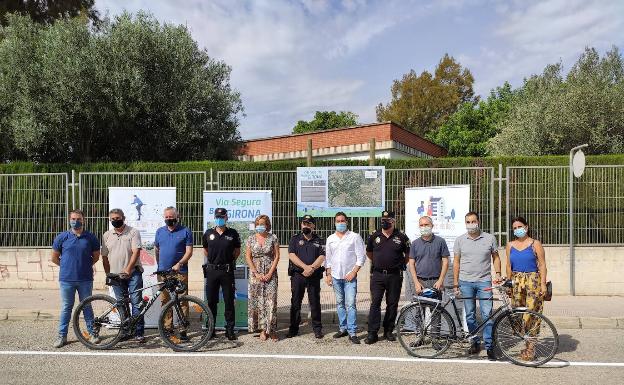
[
  {"x": 213, "y": 335},
  {"x": 341, "y": 333},
  {"x": 491, "y": 355},
  {"x": 371, "y": 339},
  {"x": 292, "y": 333},
  {"x": 318, "y": 334},
  {"x": 183, "y": 336},
  {"x": 475, "y": 348},
  {"x": 389, "y": 336},
  {"x": 230, "y": 335},
  {"x": 354, "y": 339}
]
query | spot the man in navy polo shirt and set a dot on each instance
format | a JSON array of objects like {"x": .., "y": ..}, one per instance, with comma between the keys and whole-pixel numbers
[
  {"x": 173, "y": 247},
  {"x": 75, "y": 251},
  {"x": 306, "y": 254}
]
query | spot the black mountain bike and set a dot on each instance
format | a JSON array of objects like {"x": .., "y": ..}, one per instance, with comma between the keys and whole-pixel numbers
[
  {"x": 101, "y": 321},
  {"x": 426, "y": 329}
]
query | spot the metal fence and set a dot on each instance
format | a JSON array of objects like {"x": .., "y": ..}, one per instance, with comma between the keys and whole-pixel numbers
[
  {"x": 93, "y": 187},
  {"x": 540, "y": 194},
  {"x": 33, "y": 209}
]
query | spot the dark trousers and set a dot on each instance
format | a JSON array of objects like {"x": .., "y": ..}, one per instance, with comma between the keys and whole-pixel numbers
[
  {"x": 390, "y": 284},
  {"x": 298, "y": 286},
  {"x": 216, "y": 279}
]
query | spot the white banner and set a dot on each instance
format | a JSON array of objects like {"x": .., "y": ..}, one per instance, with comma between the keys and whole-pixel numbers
[
  {"x": 144, "y": 208},
  {"x": 243, "y": 207}
]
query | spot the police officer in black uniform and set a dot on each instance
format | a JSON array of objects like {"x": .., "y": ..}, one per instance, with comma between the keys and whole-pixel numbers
[
  {"x": 306, "y": 254},
  {"x": 388, "y": 249},
  {"x": 221, "y": 248}
]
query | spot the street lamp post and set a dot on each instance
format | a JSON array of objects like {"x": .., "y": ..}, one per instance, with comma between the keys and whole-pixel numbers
[{"x": 577, "y": 165}]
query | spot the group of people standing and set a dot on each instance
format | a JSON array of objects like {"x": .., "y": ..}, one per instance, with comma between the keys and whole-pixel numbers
[{"x": 338, "y": 260}]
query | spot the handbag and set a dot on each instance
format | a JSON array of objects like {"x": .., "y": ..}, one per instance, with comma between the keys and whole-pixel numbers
[{"x": 548, "y": 294}]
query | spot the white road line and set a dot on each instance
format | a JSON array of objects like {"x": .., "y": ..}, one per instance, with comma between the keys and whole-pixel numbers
[{"x": 297, "y": 357}]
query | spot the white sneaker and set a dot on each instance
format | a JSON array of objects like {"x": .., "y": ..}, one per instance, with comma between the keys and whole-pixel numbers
[
  {"x": 94, "y": 340},
  {"x": 60, "y": 342}
]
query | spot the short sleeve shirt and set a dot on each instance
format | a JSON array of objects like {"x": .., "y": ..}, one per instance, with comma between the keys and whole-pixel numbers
[
  {"x": 388, "y": 252},
  {"x": 428, "y": 255},
  {"x": 221, "y": 247},
  {"x": 76, "y": 255},
  {"x": 475, "y": 256},
  {"x": 172, "y": 246},
  {"x": 308, "y": 250},
  {"x": 117, "y": 247}
]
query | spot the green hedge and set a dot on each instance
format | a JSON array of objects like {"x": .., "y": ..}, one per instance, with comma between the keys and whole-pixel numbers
[{"x": 29, "y": 167}]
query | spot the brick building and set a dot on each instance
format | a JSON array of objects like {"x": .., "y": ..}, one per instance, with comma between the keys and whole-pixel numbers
[{"x": 391, "y": 142}]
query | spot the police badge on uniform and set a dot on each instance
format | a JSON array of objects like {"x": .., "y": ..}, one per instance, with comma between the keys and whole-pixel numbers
[
  {"x": 377, "y": 240},
  {"x": 301, "y": 242},
  {"x": 211, "y": 237},
  {"x": 396, "y": 240}
]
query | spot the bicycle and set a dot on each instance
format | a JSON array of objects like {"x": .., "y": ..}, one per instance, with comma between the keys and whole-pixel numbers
[
  {"x": 101, "y": 321},
  {"x": 524, "y": 337}
]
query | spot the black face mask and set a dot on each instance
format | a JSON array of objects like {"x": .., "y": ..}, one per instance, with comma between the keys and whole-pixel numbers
[
  {"x": 171, "y": 222},
  {"x": 306, "y": 231},
  {"x": 386, "y": 225},
  {"x": 118, "y": 223}
]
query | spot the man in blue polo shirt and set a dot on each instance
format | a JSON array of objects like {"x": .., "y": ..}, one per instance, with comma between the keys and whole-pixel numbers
[
  {"x": 173, "y": 247},
  {"x": 75, "y": 251}
]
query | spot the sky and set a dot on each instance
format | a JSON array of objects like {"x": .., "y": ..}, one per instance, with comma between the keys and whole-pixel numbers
[{"x": 290, "y": 58}]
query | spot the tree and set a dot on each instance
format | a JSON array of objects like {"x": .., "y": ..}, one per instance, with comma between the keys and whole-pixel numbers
[
  {"x": 47, "y": 11},
  {"x": 325, "y": 120},
  {"x": 422, "y": 103},
  {"x": 135, "y": 90},
  {"x": 467, "y": 131},
  {"x": 554, "y": 113}
]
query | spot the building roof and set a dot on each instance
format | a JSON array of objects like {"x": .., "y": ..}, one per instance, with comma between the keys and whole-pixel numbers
[{"x": 346, "y": 136}]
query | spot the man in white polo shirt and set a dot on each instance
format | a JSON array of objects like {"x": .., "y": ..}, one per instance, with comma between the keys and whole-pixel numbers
[
  {"x": 472, "y": 273},
  {"x": 344, "y": 256},
  {"x": 120, "y": 255}
]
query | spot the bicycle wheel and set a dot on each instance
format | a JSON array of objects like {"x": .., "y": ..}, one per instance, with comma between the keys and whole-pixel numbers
[
  {"x": 423, "y": 332},
  {"x": 196, "y": 329},
  {"x": 526, "y": 337},
  {"x": 97, "y": 322}
]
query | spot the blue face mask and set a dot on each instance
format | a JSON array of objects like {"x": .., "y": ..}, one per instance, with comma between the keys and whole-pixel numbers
[
  {"x": 75, "y": 224},
  {"x": 260, "y": 229},
  {"x": 520, "y": 232},
  {"x": 220, "y": 222},
  {"x": 341, "y": 227}
]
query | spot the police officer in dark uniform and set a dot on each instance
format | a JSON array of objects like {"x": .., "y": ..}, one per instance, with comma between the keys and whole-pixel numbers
[
  {"x": 388, "y": 249},
  {"x": 306, "y": 254},
  {"x": 221, "y": 248}
]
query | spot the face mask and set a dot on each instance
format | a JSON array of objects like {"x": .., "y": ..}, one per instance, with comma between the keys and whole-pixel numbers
[
  {"x": 520, "y": 232},
  {"x": 220, "y": 222},
  {"x": 426, "y": 231},
  {"x": 341, "y": 227},
  {"x": 75, "y": 224},
  {"x": 386, "y": 225},
  {"x": 118, "y": 223},
  {"x": 306, "y": 231},
  {"x": 260, "y": 229},
  {"x": 472, "y": 228},
  {"x": 171, "y": 222}
]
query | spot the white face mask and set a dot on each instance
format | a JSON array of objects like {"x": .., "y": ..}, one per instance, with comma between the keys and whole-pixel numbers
[
  {"x": 426, "y": 230},
  {"x": 472, "y": 228}
]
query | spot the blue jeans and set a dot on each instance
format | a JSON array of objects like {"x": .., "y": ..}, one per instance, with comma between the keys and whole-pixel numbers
[
  {"x": 134, "y": 283},
  {"x": 475, "y": 290},
  {"x": 345, "y": 304},
  {"x": 68, "y": 294}
]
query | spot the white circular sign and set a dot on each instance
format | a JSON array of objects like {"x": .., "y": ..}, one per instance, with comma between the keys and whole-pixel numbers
[{"x": 578, "y": 163}]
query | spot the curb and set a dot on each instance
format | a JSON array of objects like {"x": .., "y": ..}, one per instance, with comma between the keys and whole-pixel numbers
[{"x": 330, "y": 318}]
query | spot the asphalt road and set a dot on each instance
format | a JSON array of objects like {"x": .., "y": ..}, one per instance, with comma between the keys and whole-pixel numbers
[{"x": 26, "y": 357}]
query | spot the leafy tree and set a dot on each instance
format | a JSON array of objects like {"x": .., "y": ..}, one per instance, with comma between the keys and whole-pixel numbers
[
  {"x": 422, "y": 103},
  {"x": 467, "y": 131},
  {"x": 325, "y": 120},
  {"x": 47, "y": 11},
  {"x": 135, "y": 90},
  {"x": 554, "y": 113}
]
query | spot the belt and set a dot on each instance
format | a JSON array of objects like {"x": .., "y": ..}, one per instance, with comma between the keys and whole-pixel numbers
[
  {"x": 396, "y": 270},
  {"x": 427, "y": 279},
  {"x": 226, "y": 267}
]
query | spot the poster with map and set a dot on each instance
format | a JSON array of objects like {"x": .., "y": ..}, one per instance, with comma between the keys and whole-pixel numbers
[{"x": 359, "y": 191}]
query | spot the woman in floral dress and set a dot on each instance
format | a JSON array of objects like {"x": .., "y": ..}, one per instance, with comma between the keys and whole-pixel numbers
[{"x": 262, "y": 256}]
